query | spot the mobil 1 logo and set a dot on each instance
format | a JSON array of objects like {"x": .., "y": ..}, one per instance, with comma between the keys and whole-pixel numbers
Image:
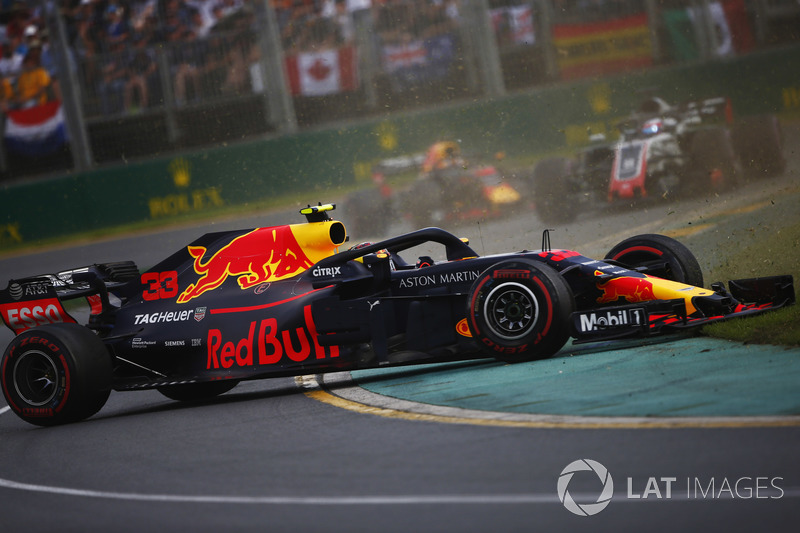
[{"x": 612, "y": 320}]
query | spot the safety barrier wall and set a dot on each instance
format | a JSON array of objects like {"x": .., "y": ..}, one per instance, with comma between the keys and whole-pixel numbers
[{"x": 319, "y": 163}]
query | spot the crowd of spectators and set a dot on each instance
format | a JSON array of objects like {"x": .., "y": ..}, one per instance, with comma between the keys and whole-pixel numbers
[
  {"x": 314, "y": 25},
  {"x": 115, "y": 43},
  {"x": 404, "y": 20},
  {"x": 28, "y": 72},
  {"x": 210, "y": 45}
]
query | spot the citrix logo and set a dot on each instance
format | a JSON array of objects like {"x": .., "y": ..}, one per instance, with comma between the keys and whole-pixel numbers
[
  {"x": 326, "y": 271},
  {"x": 586, "y": 509}
]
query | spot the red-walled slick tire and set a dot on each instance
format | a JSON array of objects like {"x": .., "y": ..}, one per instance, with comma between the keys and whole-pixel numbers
[
  {"x": 56, "y": 374},
  {"x": 519, "y": 311},
  {"x": 661, "y": 256}
]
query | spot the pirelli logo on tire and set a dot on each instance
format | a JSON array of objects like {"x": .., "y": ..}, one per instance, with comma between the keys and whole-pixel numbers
[{"x": 511, "y": 273}]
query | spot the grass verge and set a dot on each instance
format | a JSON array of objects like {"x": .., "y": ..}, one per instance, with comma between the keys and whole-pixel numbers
[{"x": 777, "y": 254}]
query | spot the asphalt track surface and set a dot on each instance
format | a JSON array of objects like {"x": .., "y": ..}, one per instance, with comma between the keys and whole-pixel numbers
[{"x": 441, "y": 448}]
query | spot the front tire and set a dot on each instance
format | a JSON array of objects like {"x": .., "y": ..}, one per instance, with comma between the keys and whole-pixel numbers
[
  {"x": 519, "y": 310},
  {"x": 56, "y": 374},
  {"x": 660, "y": 256}
]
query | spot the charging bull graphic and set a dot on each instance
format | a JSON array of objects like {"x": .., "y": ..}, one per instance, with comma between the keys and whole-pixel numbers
[
  {"x": 631, "y": 289},
  {"x": 262, "y": 255},
  {"x": 643, "y": 289}
]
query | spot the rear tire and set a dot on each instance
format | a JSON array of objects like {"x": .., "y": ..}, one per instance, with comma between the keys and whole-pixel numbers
[
  {"x": 663, "y": 256},
  {"x": 519, "y": 310},
  {"x": 56, "y": 374}
]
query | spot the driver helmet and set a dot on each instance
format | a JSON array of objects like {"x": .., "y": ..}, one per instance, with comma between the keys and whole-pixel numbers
[
  {"x": 652, "y": 127},
  {"x": 441, "y": 155},
  {"x": 360, "y": 245}
]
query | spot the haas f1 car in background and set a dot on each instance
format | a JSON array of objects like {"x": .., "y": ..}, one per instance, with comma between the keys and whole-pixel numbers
[
  {"x": 663, "y": 152},
  {"x": 284, "y": 300},
  {"x": 449, "y": 189}
]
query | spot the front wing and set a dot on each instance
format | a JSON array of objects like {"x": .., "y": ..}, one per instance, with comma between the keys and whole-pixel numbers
[{"x": 642, "y": 319}]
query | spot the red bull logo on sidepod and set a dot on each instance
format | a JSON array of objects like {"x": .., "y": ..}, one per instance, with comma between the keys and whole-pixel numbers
[{"x": 260, "y": 256}]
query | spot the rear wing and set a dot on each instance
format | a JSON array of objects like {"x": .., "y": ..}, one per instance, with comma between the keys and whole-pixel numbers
[
  {"x": 37, "y": 300},
  {"x": 711, "y": 111}
]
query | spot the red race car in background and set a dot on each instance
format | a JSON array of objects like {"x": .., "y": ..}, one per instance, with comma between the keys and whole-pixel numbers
[{"x": 449, "y": 189}]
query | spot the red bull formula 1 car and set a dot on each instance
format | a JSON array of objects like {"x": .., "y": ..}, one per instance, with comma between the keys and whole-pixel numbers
[
  {"x": 450, "y": 188},
  {"x": 285, "y": 300}
]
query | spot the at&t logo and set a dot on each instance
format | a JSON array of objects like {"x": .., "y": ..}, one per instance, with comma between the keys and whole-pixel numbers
[{"x": 585, "y": 509}]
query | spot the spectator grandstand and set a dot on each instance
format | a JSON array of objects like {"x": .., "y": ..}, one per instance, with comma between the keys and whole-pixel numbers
[{"x": 145, "y": 77}]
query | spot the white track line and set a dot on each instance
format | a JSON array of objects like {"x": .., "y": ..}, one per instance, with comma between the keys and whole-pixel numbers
[{"x": 401, "y": 499}]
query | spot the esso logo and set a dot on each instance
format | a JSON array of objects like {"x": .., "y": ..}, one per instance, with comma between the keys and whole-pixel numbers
[{"x": 23, "y": 318}]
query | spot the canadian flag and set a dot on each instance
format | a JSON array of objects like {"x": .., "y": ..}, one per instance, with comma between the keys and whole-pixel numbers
[{"x": 324, "y": 72}]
